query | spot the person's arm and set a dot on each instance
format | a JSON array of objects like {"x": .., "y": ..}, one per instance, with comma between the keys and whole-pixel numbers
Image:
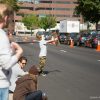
[
  {"x": 52, "y": 40},
  {"x": 7, "y": 58},
  {"x": 22, "y": 73},
  {"x": 11, "y": 60},
  {"x": 17, "y": 48},
  {"x": 35, "y": 41}
]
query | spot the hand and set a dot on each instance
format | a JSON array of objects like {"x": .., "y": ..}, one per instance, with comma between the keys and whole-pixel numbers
[{"x": 18, "y": 49}]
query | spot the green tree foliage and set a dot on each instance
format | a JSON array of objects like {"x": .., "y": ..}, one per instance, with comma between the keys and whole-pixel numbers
[
  {"x": 11, "y": 3},
  {"x": 47, "y": 22},
  {"x": 89, "y": 9},
  {"x": 30, "y": 21}
]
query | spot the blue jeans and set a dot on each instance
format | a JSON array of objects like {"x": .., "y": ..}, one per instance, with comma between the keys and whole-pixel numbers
[{"x": 4, "y": 93}]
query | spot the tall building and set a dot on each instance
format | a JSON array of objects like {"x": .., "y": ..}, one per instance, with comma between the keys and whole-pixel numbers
[{"x": 61, "y": 9}]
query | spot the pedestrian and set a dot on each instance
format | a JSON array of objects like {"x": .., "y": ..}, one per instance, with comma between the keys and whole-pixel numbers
[
  {"x": 15, "y": 72},
  {"x": 43, "y": 52},
  {"x": 9, "y": 53},
  {"x": 26, "y": 87}
]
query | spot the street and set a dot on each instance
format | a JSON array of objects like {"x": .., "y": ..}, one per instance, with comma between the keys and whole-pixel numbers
[{"x": 72, "y": 73}]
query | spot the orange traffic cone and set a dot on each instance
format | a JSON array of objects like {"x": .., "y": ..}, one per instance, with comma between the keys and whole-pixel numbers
[
  {"x": 71, "y": 43},
  {"x": 98, "y": 46}
]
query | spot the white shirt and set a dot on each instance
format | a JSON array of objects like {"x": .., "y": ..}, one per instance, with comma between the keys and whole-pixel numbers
[
  {"x": 7, "y": 59},
  {"x": 43, "y": 48},
  {"x": 14, "y": 73}
]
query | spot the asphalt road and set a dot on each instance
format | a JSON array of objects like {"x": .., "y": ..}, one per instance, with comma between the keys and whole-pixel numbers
[{"x": 72, "y": 73}]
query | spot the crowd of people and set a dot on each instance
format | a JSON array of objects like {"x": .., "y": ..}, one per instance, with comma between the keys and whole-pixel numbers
[{"x": 13, "y": 79}]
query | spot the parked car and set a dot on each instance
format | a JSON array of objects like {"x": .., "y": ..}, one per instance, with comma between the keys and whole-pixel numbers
[
  {"x": 88, "y": 41},
  {"x": 95, "y": 41},
  {"x": 66, "y": 38},
  {"x": 75, "y": 37},
  {"x": 48, "y": 35},
  {"x": 92, "y": 40},
  {"x": 81, "y": 39},
  {"x": 62, "y": 38}
]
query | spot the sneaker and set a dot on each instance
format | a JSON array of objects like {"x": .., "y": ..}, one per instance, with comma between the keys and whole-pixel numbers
[
  {"x": 43, "y": 74},
  {"x": 44, "y": 96}
]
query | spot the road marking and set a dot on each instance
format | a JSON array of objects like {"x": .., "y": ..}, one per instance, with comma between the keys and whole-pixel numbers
[{"x": 63, "y": 51}]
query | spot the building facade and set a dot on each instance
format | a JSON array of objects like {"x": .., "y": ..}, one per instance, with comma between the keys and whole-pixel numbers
[{"x": 61, "y": 9}]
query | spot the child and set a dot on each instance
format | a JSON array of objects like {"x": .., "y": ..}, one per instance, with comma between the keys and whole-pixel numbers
[{"x": 43, "y": 52}]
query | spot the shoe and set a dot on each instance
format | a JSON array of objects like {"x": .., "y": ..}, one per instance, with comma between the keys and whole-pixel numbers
[
  {"x": 40, "y": 71},
  {"x": 44, "y": 96},
  {"x": 42, "y": 74}
]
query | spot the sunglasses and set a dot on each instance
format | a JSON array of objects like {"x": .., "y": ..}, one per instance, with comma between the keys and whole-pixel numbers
[{"x": 24, "y": 63}]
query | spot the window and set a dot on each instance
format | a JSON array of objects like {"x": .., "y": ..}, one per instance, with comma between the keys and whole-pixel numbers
[
  {"x": 30, "y": 8},
  {"x": 43, "y": 8},
  {"x": 62, "y": 9},
  {"x": 62, "y": 2},
  {"x": 41, "y": 1}
]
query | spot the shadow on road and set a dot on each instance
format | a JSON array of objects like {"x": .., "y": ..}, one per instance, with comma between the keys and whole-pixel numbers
[{"x": 52, "y": 71}]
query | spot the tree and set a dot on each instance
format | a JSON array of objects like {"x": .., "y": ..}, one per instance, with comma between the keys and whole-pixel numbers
[
  {"x": 11, "y": 3},
  {"x": 47, "y": 22},
  {"x": 30, "y": 21},
  {"x": 89, "y": 9}
]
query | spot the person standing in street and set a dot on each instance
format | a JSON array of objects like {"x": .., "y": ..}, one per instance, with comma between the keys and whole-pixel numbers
[
  {"x": 9, "y": 53},
  {"x": 43, "y": 52}
]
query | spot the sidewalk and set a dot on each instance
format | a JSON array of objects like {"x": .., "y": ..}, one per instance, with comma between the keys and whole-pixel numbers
[{"x": 23, "y": 39}]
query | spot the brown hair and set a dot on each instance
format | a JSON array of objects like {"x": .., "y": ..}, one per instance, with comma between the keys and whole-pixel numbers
[
  {"x": 38, "y": 36},
  {"x": 22, "y": 58},
  {"x": 5, "y": 10},
  {"x": 33, "y": 70}
]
